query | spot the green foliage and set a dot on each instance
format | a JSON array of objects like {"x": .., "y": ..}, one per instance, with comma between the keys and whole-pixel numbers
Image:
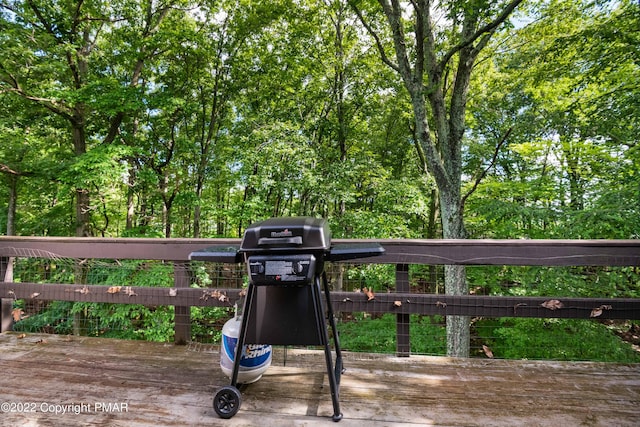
[
  {"x": 244, "y": 111},
  {"x": 131, "y": 273},
  {"x": 378, "y": 335},
  {"x": 550, "y": 339},
  {"x": 368, "y": 335},
  {"x": 207, "y": 322},
  {"x": 100, "y": 319},
  {"x": 375, "y": 277},
  {"x": 55, "y": 319},
  {"x": 560, "y": 339},
  {"x": 588, "y": 282},
  {"x": 559, "y": 174},
  {"x": 125, "y": 321}
]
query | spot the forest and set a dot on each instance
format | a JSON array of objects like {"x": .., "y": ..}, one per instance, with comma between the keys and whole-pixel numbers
[{"x": 422, "y": 119}]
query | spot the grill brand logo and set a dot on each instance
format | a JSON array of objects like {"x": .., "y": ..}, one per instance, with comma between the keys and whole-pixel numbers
[{"x": 283, "y": 233}]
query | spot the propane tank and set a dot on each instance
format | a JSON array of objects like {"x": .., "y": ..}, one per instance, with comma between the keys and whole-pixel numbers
[{"x": 255, "y": 360}]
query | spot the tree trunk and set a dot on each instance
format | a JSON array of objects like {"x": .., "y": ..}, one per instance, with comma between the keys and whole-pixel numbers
[
  {"x": 196, "y": 213},
  {"x": 13, "y": 201},
  {"x": 83, "y": 207},
  {"x": 130, "y": 204},
  {"x": 424, "y": 67},
  {"x": 458, "y": 334}
]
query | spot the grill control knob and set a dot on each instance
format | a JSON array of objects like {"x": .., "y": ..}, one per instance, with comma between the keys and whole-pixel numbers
[{"x": 257, "y": 268}]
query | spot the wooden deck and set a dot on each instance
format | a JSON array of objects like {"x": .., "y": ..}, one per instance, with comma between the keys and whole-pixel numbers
[{"x": 102, "y": 382}]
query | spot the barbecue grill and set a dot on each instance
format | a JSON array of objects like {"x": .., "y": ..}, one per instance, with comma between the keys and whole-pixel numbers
[{"x": 285, "y": 261}]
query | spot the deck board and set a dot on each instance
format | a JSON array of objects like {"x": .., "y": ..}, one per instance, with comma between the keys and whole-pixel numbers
[{"x": 155, "y": 384}]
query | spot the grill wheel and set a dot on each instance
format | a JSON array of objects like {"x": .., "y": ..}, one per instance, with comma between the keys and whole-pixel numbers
[{"x": 227, "y": 402}]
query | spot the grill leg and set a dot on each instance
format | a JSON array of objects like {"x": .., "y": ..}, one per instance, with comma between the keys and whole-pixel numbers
[
  {"x": 332, "y": 322},
  {"x": 322, "y": 329},
  {"x": 243, "y": 333}
]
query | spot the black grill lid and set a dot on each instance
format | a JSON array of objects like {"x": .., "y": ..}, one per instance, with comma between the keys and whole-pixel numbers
[{"x": 287, "y": 233}]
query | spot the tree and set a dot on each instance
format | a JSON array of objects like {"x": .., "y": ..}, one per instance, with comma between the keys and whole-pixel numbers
[
  {"x": 49, "y": 59},
  {"x": 569, "y": 91},
  {"x": 432, "y": 43}
]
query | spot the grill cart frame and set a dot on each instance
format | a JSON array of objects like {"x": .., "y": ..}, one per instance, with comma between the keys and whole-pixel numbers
[{"x": 284, "y": 306}]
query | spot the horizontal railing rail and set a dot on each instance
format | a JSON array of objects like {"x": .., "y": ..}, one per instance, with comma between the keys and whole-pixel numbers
[
  {"x": 397, "y": 251},
  {"x": 401, "y": 253}
]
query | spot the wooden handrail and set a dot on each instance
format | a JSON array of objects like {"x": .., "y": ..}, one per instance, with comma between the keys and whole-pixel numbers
[{"x": 398, "y": 251}]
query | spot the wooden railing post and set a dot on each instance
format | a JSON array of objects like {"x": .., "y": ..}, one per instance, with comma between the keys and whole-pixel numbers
[
  {"x": 182, "y": 314},
  {"x": 403, "y": 340},
  {"x": 6, "y": 304}
]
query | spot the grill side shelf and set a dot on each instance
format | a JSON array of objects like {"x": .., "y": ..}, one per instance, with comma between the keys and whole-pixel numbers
[
  {"x": 349, "y": 251},
  {"x": 224, "y": 254}
]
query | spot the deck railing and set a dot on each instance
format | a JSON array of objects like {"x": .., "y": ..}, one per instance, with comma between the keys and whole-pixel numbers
[{"x": 400, "y": 301}]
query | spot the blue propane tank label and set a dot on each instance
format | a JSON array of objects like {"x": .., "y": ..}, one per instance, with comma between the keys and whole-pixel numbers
[{"x": 253, "y": 355}]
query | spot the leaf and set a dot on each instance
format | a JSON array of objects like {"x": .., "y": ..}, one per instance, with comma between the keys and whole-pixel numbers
[
  {"x": 214, "y": 294},
  {"x": 598, "y": 311},
  {"x": 17, "y": 314},
  {"x": 397, "y": 303},
  {"x": 487, "y": 351},
  {"x": 114, "y": 289},
  {"x": 128, "y": 291},
  {"x": 552, "y": 304},
  {"x": 221, "y": 296},
  {"x": 369, "y": 293}
]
